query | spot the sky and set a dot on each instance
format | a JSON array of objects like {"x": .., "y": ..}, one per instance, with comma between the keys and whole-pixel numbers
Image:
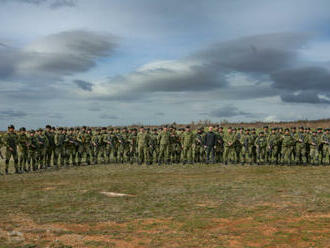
[{"x": 114, "y": 62}]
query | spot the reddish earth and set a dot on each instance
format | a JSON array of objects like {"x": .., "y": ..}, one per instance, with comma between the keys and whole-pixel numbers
[{"x": 241, "y": 232}]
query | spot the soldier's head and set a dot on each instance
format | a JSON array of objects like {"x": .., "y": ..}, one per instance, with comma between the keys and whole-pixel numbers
[
  {"x": 187, "y": 128},
  {"x": 293, "y": 129},
  {"x": 53, "y": 129},
  {"x": 210, "y": 128},
  {"x": 71, "y": 130},
  {"x": 141, "y": 129},
  {"x": 287, "y": 131},
  {"x": 327, "y": 130},
  {"x": 241, "y": 129},
  {"x": 11, "y": 128},
  {"x": 314, "y": 132},
  {"x": 164, "y": 128},
  {"x": 301, "y": 129},
  {"x": 48, "y": 128},
  {"x": 89, "y": 130},
  {"x": 273, "y": 130},
  {"x": 230, "y": 130},
  {"x": 261, "y": 133},
  {"x": 22, "y": 130},
  {"x": 84, "y": 128},
  {"x": 319, "y": 130},
  {"x": 265, "y": 128},
  {"x": 32, "y": 132},
  {"x": 247, "y": 131}
]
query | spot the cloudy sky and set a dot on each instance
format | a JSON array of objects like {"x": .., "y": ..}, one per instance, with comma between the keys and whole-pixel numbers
[{"x": 103, "y": 62}]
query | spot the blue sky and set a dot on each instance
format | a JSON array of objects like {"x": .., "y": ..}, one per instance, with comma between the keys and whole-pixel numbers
[{"x": 111, "y": 62}]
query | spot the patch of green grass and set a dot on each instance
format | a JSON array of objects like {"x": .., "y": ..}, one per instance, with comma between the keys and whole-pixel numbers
[{"x": 187, "y": 199}]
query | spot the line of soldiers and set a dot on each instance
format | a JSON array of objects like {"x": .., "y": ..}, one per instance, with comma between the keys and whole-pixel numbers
[{"x": 50, "y": 147}]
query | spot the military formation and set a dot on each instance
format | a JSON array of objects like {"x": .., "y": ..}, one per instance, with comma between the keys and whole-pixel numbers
[{"x": 61, "y": 147}]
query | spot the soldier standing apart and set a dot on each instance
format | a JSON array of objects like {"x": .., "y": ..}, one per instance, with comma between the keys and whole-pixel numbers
[{"x": 10, "y": 142}]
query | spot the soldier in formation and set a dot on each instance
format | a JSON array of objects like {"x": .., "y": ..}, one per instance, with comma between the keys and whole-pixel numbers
[{"x": 54, "y": 148}]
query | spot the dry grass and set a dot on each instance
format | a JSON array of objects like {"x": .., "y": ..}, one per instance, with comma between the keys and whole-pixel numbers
[{"x": 173, "y": 206}]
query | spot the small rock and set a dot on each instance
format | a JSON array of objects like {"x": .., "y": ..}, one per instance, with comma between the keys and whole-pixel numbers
[
  {"x": 113, "y": 194},
  {"x": 15, "y": 236}
]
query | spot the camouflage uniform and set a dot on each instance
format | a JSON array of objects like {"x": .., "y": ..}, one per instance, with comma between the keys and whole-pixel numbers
[
  {"x": 229, "y": 155},
  {"x": 59, "y": 155},
  {"x": 143, "y": 145},
  {"x": 219, "y": 148},
  {"x": 50, "y": 152},
  {"x": 261, "y": 146},
  {"x": 272, "y": 147},
  {"x": 107, "y": 139},
  {"x": 96, "y": 140},
  {"x": 300, "y": 149},
  {"x": 287, "y": 148},
  {"x": 314, "y": 141},
  {"x": 187, "y": 143},
  {"x": 70, "y": 146},
  {"x": 132, "y": 142},
  {"x": 84, "y": 139},
  {"x": 154, "y": 147},
  {"x": 164, "y": 147},
  {"x": 23, "y": 150},
  {"x": 10, "y": 142},
  {"x": 198, "y": 148},
  {"x": 42, "y": 149},
  {"x": 325, "y": 139},
  {"x": 123, "y": 147},
  {"x": 33, "y": 150},
  {"x": 247, "y": 143},
  {"x": 176, "y": 147}
]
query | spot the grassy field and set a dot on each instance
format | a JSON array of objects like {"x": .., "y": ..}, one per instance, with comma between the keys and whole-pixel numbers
[{"x": 172, "y": 206}]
